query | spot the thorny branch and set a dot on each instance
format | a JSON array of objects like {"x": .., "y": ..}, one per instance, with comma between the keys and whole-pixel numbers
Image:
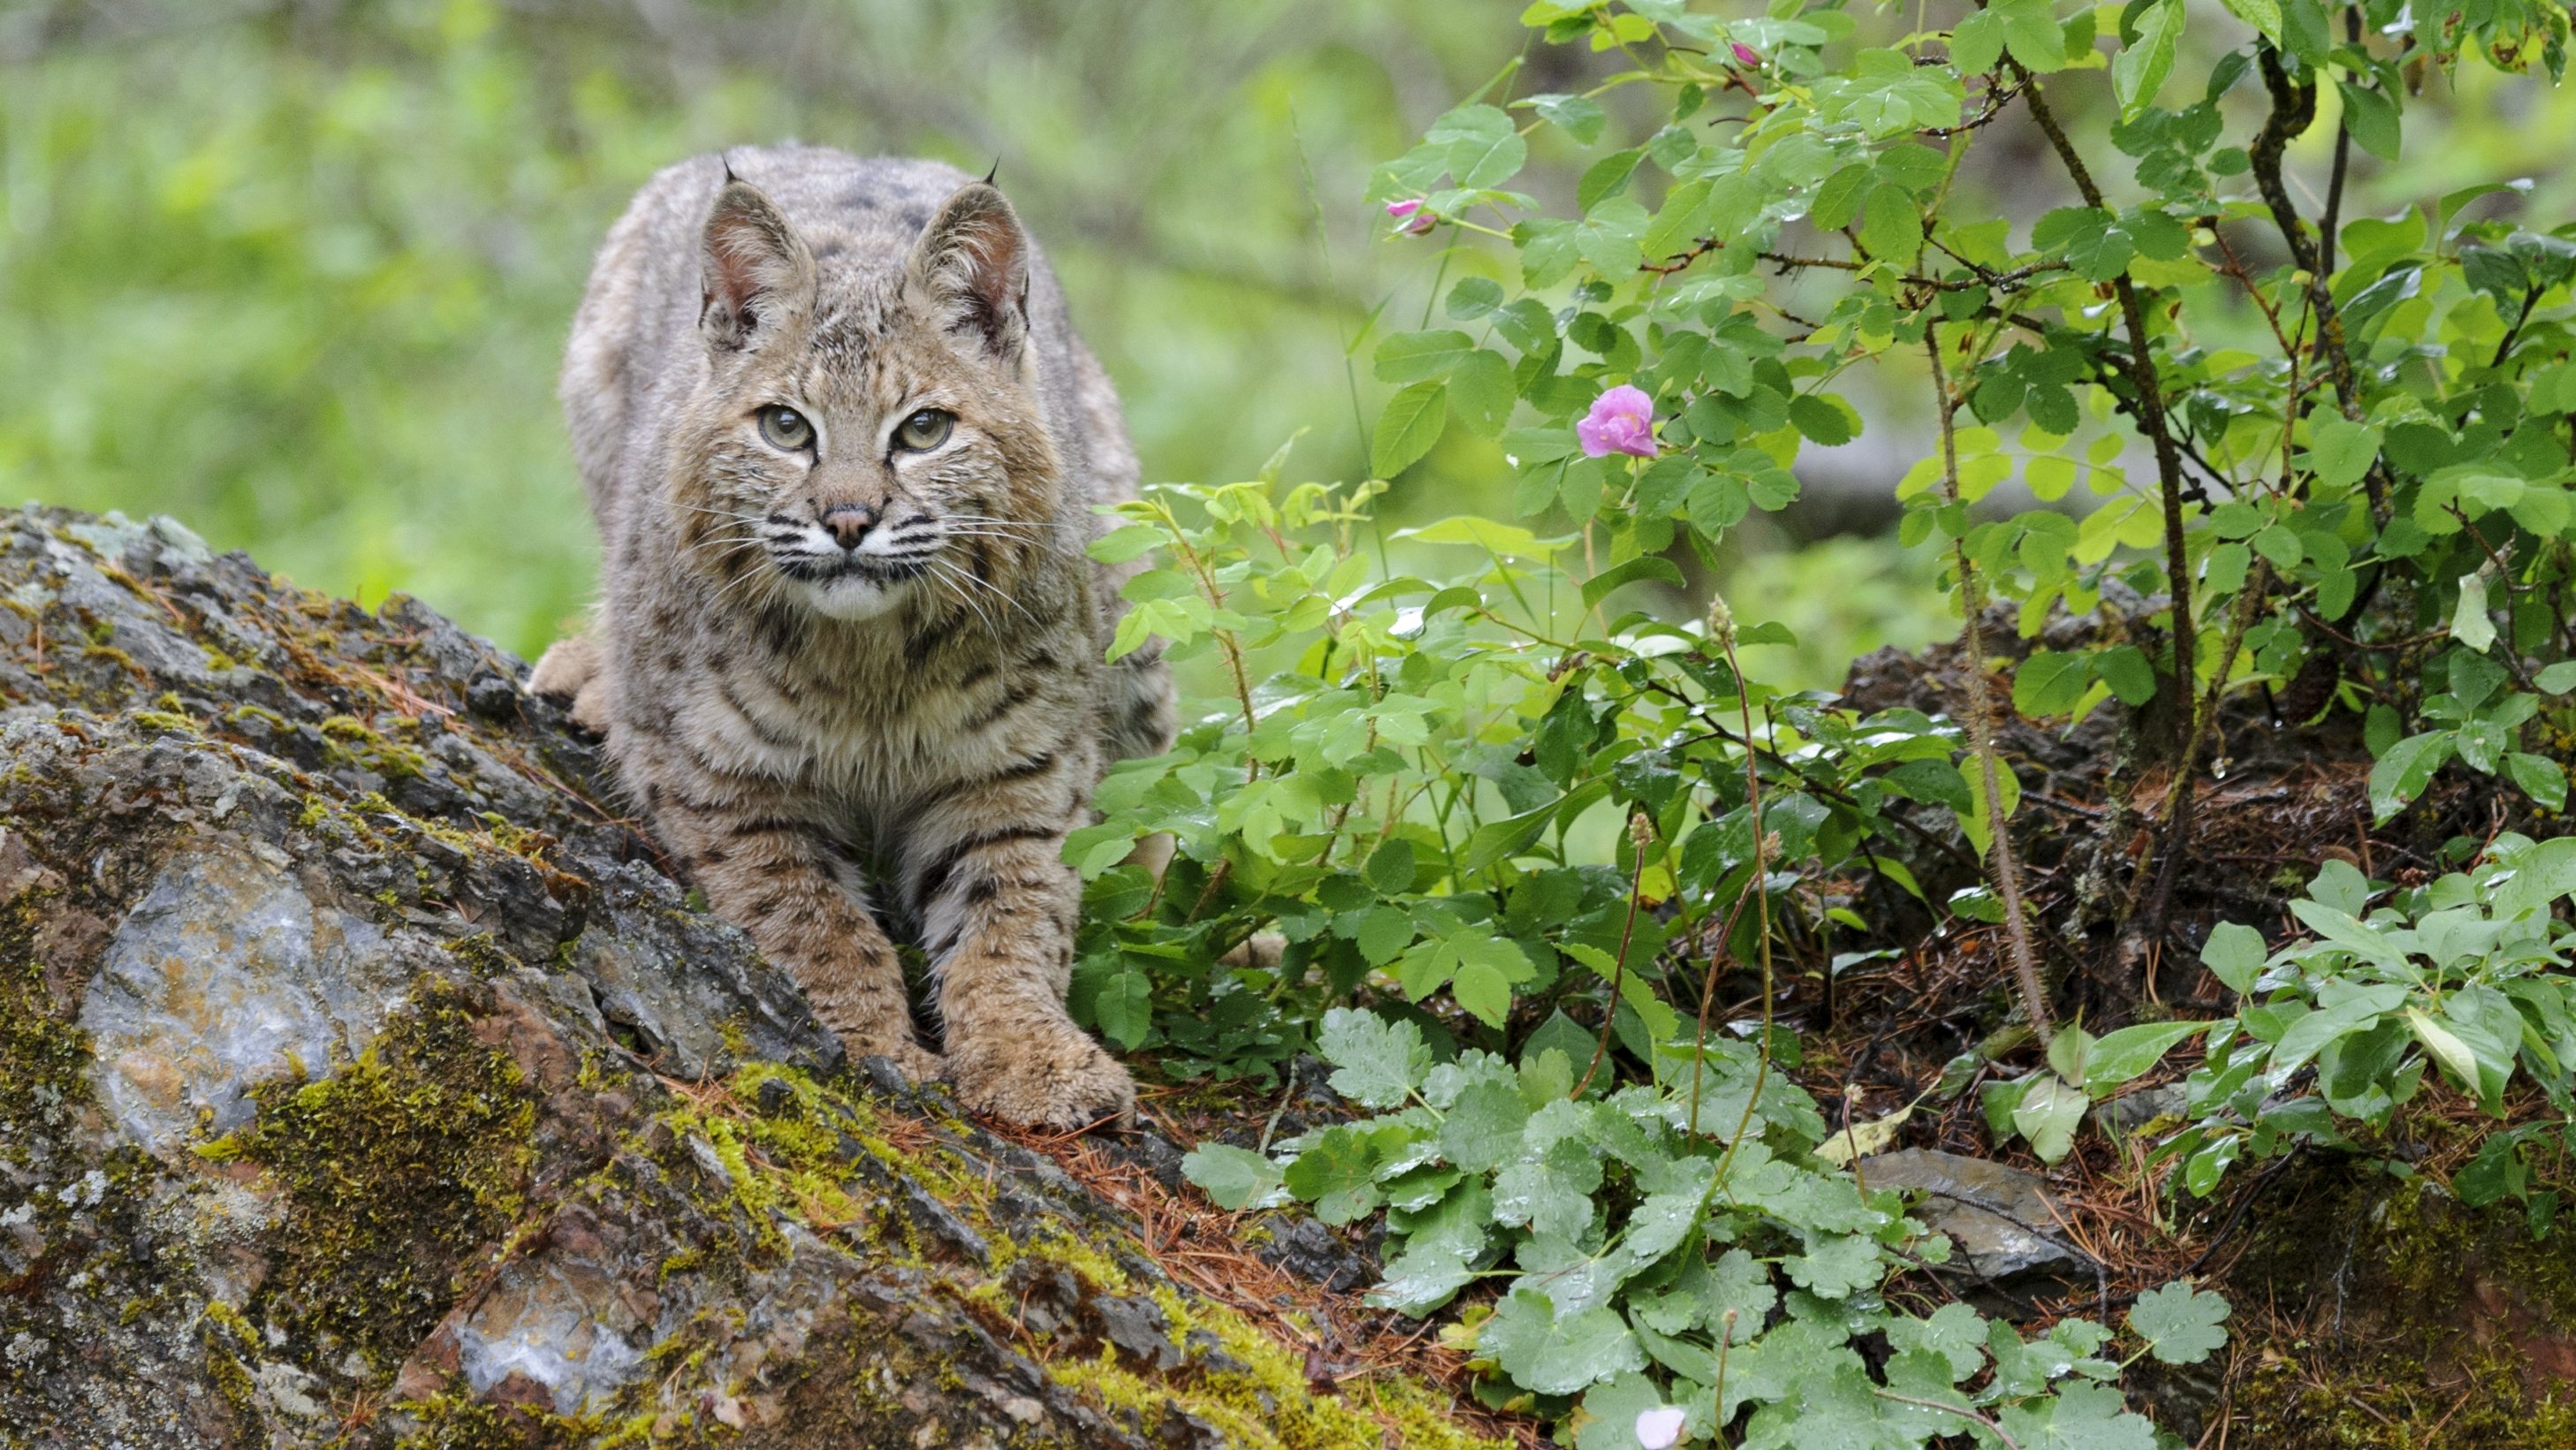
[{"x": 1981, "y": 719}]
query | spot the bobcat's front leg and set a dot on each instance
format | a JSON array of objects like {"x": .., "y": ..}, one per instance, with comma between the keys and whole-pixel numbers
[
  {"x": 776, "y": 875},
  {"x": 998, "y": 907}
]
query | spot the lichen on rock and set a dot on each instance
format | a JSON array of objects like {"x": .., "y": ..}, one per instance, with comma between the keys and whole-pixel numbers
[{"x": 364, "y": 1082}]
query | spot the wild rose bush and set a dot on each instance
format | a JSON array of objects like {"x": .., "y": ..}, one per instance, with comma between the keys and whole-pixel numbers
[{"x": 1511, "y": 833}]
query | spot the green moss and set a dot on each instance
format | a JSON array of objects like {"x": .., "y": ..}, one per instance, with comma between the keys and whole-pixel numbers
[
  {"x": 1268, "y": 1404},
  {"x": 396, "y": 1169},
  {"x": 453, "y": 1423},
  {"x": 164, "y": 720},
  {"x": 2411, "y": 1279},
  {"x": 41, "y": 1055},
  {"x": 348, "y": 740}
]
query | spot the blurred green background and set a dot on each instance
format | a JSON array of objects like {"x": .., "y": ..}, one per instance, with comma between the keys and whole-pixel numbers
[{"x": 298, "y": 271}]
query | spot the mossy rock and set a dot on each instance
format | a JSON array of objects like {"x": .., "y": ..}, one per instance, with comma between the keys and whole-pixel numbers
[
  {"x": 364, "y": 1084},
  {"x": 2384, "y": 1314}
]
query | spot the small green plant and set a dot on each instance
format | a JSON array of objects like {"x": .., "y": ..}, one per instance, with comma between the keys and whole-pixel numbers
[
  {"x": 1678, "y": 1242},
  {"x": 2465, "y": 976},
  {"x": 1508, "y": 827}
]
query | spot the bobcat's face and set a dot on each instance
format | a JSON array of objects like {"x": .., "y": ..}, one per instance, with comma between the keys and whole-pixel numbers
[{"x": 861, "y": 441}]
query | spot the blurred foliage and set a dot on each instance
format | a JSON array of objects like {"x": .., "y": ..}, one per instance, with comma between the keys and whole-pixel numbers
[
  {"x": 300, "y": 273},
  {"x": 299, "y": 270}
]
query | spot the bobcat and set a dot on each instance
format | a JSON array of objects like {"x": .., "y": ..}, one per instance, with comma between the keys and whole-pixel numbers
[{"x": 842, "y": 446}]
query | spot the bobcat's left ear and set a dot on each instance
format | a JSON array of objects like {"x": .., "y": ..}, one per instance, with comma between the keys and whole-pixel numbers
[
  {"x": 757, "y": 273},
  {"x": 970, "y": 270}
]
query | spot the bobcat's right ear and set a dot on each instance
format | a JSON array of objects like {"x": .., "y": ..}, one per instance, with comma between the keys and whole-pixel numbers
[{"x": 757, "y": 271}]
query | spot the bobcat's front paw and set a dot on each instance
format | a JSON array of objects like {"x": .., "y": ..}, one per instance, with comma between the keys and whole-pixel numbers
[
  {"x": 916, "y": 1061},
  {"x": 1042, "y": 1075},
  {"x": 574, "y": 672}
]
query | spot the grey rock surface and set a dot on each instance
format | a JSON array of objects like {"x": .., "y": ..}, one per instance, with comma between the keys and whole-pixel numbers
[
  {"x": 364, "y": 1083},
  {"x": 1997, "y": 1217}
]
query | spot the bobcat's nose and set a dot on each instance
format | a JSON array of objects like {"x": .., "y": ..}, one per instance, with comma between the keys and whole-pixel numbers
[{"x": 848, "y": 523}]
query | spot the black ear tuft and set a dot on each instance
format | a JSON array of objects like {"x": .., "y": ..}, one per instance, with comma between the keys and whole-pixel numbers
[
  {"x": 970, "y": 270},
  {"x": 757, "y": 272}
]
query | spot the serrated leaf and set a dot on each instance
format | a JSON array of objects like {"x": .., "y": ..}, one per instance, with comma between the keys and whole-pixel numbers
[
  {"x": 1376, "y": 1063},
  {"x": 2048, "y": 683},
  {"x": 2181, "y": 1324},
  {"x": 1553, "y": 1356},
  {"x": 1412, "y": 422},
  {"x": 2341, "y": 451},
  {"x": 1411, "y": 357}
]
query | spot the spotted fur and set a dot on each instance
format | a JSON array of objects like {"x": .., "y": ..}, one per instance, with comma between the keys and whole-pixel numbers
[{"x": 834, "y": 740}]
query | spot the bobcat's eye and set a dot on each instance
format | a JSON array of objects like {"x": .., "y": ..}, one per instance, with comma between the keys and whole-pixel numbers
[
  {"x": 783, "y": 427},
  {"x": 924, "y": 430}
]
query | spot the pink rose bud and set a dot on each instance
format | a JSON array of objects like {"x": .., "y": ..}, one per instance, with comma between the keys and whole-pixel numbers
[
  {"x": 1622, "y": 420},
  {"x": 1399, "y": 210},
  {"x": 1410, "y": 218},
  {"x": 1746, "y": 55}
]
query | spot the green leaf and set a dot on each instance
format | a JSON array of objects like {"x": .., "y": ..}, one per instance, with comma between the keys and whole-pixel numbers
[
  {"x": 2234, "y": 954},
  {"x": 2557, "y": 679},
  {"x": 2117, "y": 1057},
  {"x": 1579, "y": 117},
  {"x": 1646, "y": 566},
  {"x": 2263, "y": 15},
  {"x": 2471, "y": 625},
  {"x": 1481, "y": 391},
  {"x": 1412, "y": 422},
  {"x": 1606, "y": 178},
  {"x": 1376, "y": 1063},
  {"x": 2093, "y": 242},
  {"x": 2446, "y": 1048},
  {"x": 2078, "y": 1417},
  {"x": 2371, "y": 118},
  {"x": 1890, "y": 228},
  {"x": 2126, "y": 670},
  {"x": 2402, "y": 773},
  {"x": 2180, "y": 1323},
  {"x": 1483, "y": 1129},
  {"x": 1482, "y": 146},
  {"x": 1552, "y": 1356},
  {"x": 2033, "y": 35},
  {"x": 2541, "y": 778},
  {"x": 1384, "y": 933},
  {"x": 1410, "y": 357},
  {"x": 1473, "y": 297},
  {"x": 1337, "y": 1174},
  {"x": 2048, "y": 683},
  {"x": 1978, "y": 42},
  {"x": 2139, "y": 70},
  {"x": 2049, "y": 1112},
  {"x": 1391, "y": 867},
  {"x": 1233, "y": 1178},
  {"x": 2341, "y": 451},
  {"x": 1821, "y": 420}
]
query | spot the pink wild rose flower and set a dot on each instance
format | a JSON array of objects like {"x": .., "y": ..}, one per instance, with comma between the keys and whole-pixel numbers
[
  {"x": 1660, "y": 1428},
  {"x": 1622, "y": 420}
]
